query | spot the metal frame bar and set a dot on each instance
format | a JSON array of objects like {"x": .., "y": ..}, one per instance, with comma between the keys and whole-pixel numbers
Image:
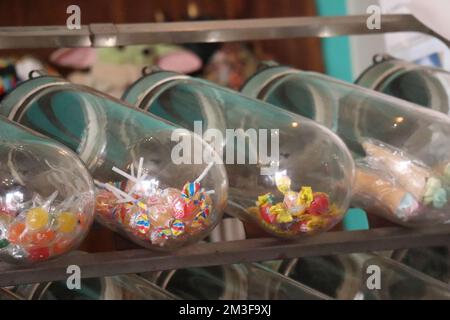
[
  {"x": 220, "y": 253},
  {"x": 111, "y": 35}
]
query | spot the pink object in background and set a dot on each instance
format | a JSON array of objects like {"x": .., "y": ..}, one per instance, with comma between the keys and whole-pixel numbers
[
  {"x": 180, "y": 61},
  {"x": 76, "y": 58}
]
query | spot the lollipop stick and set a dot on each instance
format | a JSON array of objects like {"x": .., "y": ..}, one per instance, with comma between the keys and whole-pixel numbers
[
  {"x": 205, "y": 172},
  {"x": 124, "y": 174},
  {"x": 132, "y": 169},
  {"x": 141, "y": 163}
]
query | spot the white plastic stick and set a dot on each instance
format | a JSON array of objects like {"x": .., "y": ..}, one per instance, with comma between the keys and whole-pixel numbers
[
  {"x": 132, "y": 169},
  {"x": 141, "y": 163},
  {"x": 123, "y": 173},
  {"x": 130, "y": 192},
  {"x": 205, "y": 172}
]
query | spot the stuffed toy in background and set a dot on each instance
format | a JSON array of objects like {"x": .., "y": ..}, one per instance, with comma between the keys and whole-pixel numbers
[{"x": 112, "y": 70}]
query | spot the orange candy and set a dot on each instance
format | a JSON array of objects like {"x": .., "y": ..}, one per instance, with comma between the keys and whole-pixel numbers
[
  {"x": 16, "y": 233},
  {"x": 62, "y": 246},
  {"x": 42, "y": 238}
]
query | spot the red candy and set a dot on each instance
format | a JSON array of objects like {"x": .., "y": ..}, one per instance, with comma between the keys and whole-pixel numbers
[
  {"x": 264, "y": 211},
  {"x": 37, "y": 254},
  {"x": 190, "y": 209},
  {"x": 320, "y": 204}
]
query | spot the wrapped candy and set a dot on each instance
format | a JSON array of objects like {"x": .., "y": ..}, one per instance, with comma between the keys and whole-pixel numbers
[
  {"x": 145, "y": 190},
  {"x": 402, "y": 151},
  {"x": 46, "y": 197},
  {"x": 274, "y": 159}
]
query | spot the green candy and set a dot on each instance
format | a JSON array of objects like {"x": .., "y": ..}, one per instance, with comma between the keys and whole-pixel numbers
[{"x": 4, "y": 243}]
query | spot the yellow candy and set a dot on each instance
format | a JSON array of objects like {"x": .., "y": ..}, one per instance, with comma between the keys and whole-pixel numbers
[
  {"x": 67, "y": 222},
  {"x": 142, "y": 205},
  {"x": 37, "y": 218},
  {"x": 265, "y": 198},
  {"x": 305, "y": 197},
  {"x": 277, "y": 209},
  {"x": 283, "y": 183},
  {"x": 315, "y": 223},
  {"x": 284, "y": 217}
]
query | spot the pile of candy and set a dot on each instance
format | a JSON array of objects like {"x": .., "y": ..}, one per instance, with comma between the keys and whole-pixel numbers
[
  {"x": 159, "y": 216},
  {"x": 40, "y": 229},
  {"x": 299, "y": 212}
]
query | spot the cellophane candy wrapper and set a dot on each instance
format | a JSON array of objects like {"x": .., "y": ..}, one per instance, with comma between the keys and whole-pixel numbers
[
  {"x": 145, "y": 189},
  {"x": 401, "y": 187},
  {"x": 46, "y": 197},
  {"x": 299, "y": 186}
]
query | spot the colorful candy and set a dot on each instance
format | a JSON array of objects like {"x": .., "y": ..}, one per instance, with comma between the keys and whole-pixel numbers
[
  {"x": 160, "y": 235},
  {"x": 42, "y": 238},
  {"x": 266, "y": 214},
  {"x": 4, "y": 243},
  {"x": 39, "y": 253},
  {"x": 16, "y": 232},
  {"x": 37, "y": 225},
  {"x": 320, "y": 204},
  {"x": 267, "y": 198},
  {"x": 177, "y": 228},
  {"x": 67, "y": 222},
  {"x": 190, "y": 191},
  {"x": 37, "y": 218},
  {"x": 305, "y": 197},
  {"x": 141, "y": 223},
  {"x": 302, "y": 212},
  {"x": 161, "y": 215}
]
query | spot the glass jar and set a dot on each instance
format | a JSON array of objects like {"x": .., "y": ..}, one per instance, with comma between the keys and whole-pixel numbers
[
  {"x": 288, "y": 174},
  {"x": 425, "y": 86},
  {"x": 402, "y": 152},
  {"x": 143, "y": 191},
  {"x": 46, "y": 196}
]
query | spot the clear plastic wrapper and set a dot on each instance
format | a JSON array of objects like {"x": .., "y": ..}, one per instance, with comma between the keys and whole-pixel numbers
[
  {"x": 403, "y": 151},
  {"x": 46, "y": 196},
  {"x": 288, "y": 174},
  {"x": 142, "y": 192}
]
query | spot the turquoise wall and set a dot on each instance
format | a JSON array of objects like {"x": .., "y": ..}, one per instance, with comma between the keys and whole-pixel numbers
[
  {"x": 337, "y": 59},
  {"x": 336, "y": 51}
]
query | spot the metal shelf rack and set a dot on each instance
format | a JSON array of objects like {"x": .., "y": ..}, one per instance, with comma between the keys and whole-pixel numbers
[{"x": 218, "y": 253}]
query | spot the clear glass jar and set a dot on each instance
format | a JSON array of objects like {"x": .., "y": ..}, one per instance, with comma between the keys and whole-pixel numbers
[
  {"x": 402, "y": 152},
  {"x": 46, "y": 196},
  {"x": 425, "y": 86},
  {"x": 250, "y": 281},
  {"x": 143, "y": 192},
  {"x": 288, "y": 174}
]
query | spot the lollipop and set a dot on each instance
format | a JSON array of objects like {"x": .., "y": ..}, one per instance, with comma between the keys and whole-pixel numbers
[{"x": 153, "y": 214}]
